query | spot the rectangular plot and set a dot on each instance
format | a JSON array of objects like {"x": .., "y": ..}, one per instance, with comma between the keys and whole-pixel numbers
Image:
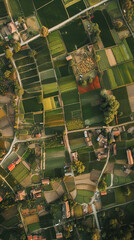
[
  {"x": 118, "y": 54},
  {"x": 70, "y": 97},
  {"x": 24, "y": 61},
  {"x": 26, "y": 68},
  {"x": 28, "y": 74},
  {"x": 27, "y": 7},
  {"x": 28, "y": 81},
  {"x": 125, "y": 73},
  {"x": 128, "y": 49},
  {"x": 103, "y": 63},
  {"x": 47, "y": 74},
  {"x": 76, "y": 8},
  {"x": 45, "y": 66},
  {"x": 69, "y": 110},
  {"x": 32, "y": 105},
  {"x": 130, "y": 42},
  {"x": 118, "y": 76}
]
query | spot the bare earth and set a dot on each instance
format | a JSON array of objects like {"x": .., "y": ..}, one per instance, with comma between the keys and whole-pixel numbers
[
  {"x": 32, "y": 23},
  {"x": 110, "y": 57},
  {"x": 31, "y": 219}
]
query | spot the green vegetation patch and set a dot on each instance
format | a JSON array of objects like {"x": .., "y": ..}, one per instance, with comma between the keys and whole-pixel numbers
[
  {"x": 70, "y": 97},
  {"x": 67, "y": 83},
  {"x": 33, "y": 227},
  {"x": 130, "y": 42},
  {"x": 109, "y": 199},
  {"x": 3, "y": 11},
  {"x": 83, "y": 196},
  {"x": 27, "y": 7},
  {"x": 103, "y": 63}
]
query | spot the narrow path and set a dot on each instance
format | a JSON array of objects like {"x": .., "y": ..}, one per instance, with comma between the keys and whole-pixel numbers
[
  {"x": 7, "y": 183},
  {"x": 96, "y": 217}
]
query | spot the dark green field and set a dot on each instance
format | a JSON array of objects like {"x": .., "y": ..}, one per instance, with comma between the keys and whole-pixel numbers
[
  {"x": 52, "y": 14},
  {"x": 130, "y": 42},
  {"x": 32, "y": 105},
  {"x": 3, "y": 11},
  {"x": 105, "y": 34},
  {"x": 40, "y": 3},
  {"x": 76, "y": 8},
  {"x": 27, "y": 7},
  {"x": 74, "y": 35},
  {"x": 70, "y": 97}
]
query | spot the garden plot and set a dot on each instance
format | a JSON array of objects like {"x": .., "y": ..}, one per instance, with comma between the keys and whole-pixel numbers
[
  {"x": 70, "y": 97},
  {"x": 91, "y": 107},
  {"x": 20, "y": 172},
  {"x": 46, "y": 75},
  {"x": 49, "y": 104},
  {"x": 72, "y": 112},
  {"x": 83, "y": 196},
  {"x": 83, "y": 61},
  {"x": 105, "y": 34},
  {"x": 50, "y": 89},
  {"x": 56, "y": 45},
  {"x": 74, "y": 35},
  {"x": 52, "y": 13},
  {"x": 43, "y": 56},
  {"x": 55, "y": 158}
]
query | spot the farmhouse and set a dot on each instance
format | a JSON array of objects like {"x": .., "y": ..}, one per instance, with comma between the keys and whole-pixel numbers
[
  {"x": 11, "y": 27},
  {"x": 11, "y": 167},
  {"x": 21, "y": 195},
  {"x": 69, "y": 58},
  {"x": 66, "y": 210},
  {"x": 59, "y": 235},
  {"x": 36, "y": 193},
  {"x": 1, "y": 199},
  {"x": 130, "y": 157},
  {"x": 45, "y": 182}
]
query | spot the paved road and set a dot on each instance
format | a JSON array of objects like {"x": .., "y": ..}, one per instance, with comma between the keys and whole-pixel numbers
[
  {"x": 66, "y": 21},
  {"x": 96, "y": 217}
]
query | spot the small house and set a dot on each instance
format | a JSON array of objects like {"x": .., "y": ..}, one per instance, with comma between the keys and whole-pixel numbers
[
  {"x": 103, "y": 193},
  {"x": 1, "y": 199},
  {"x": 21, "y": 195},
  {"x": 68, "y": 58},
  {"x": 11, "y": 167},
  {"x": 30, "y": 237}
]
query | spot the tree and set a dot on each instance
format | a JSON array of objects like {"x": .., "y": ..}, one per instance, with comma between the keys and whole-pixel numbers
[
  {"x": 96, "y": 235},
  {"x": 8, "y": 53},
  {"x": 44, "y": 31},
  {"x": 16, "y": 47},
  {"x": 32, "y": 53},
  {"x": 78, "y": 167},
  {"x": 97, "y": 58},
  {"x": 109, "y": 106},
  {"x": 118, "y": 23},
  {"x": 90, "y": 79},
  {"x": 7, "y": 74}
]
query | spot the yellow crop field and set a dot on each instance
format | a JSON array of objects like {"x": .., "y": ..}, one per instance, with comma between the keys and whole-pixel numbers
[
  {"x": 2, "y": 113},
  {"x": 49, "y": 104}
]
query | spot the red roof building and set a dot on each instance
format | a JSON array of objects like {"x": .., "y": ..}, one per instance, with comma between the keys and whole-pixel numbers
[
  {"x": 45, "y": 181},
  {"x": 11, "y": 167},
  {"x": 1, "y": 199},
  {"x": 130, "y": 157},
  {"x": 59, "y": 235},
  {"x": 11, "y": 27},
  {"x": 30, "y": 237},
  {"x": 103, "y": 193}
]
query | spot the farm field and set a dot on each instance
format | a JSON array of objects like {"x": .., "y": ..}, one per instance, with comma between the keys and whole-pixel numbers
[
  {"x": 20, "y": 172},
  {"x": 52, "y": 14},
  {"x": 71, "y": 37},
  {"x": 56, "y": 44},
  {"x": 109, "y": 199},
  {"x": 105, "y": 34},
  {"x": 83, "y": 196},
  {"x": 118, "y": 76},
  {"x": 15, "y": 8},
  {"x": 103, "y": 63},
  {"x": 76, "y": 140},
  {"x": 130, "y": 42},
  {"x": 76, "y": 8},
  {"x": 3, "y": 11},
  {"x": 32, "y": 105},
  {"x": 70, "y": 97},
  {"x": 54, "y": 163},
  {"x": 54, "y": 118},
  {"x": 90, "y": 107},
  {"x": 9, "y": 160},
  {"x": 67, "y": 83},
  {"x": 27, "y": 7},
  {"x": 122, "y": 96}
]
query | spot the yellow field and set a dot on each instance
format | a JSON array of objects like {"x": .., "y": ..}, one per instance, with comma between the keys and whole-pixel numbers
[
  {"x": 49, "y": 104},
  {"x": 31, "y": 219},
  {"x": 2, "y": 113},
  {"x": 69, "y": 3}
]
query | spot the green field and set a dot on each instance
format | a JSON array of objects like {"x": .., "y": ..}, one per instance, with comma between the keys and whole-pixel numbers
[
  {"x": 130, "y": 42},
  {"x": 109, "y": 199},
  {"x": 50, "y": 88},
  {"x": 76, "y": 140},
  {"x": 91, "y": 107},
  {"x": 118, "y": 76},
  {"x": 56, "y": 44},
  {"x": 70, "y": 111},
  {"x": 54, "y": 163},
  {"x": 67, "y": 83},
  {"x": 121, "y": 194},
  {"x": 70, "y": 97},
  {"x": 21, "y": 150},
  {"x": 122, "y": 52},
  {"x": 105, "y": 34},
  {"x": 9, "y": 160},
  {"x": 122, "y": 96},
  {"x": 15, "y": 8},
  {"x": 52, "y": 14},
  {"x": 74, "y": 35},
  {"x": 83, "y": 196},
  {"x": 20, "y": 172},
  {"x": 103, "y": 63}
]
